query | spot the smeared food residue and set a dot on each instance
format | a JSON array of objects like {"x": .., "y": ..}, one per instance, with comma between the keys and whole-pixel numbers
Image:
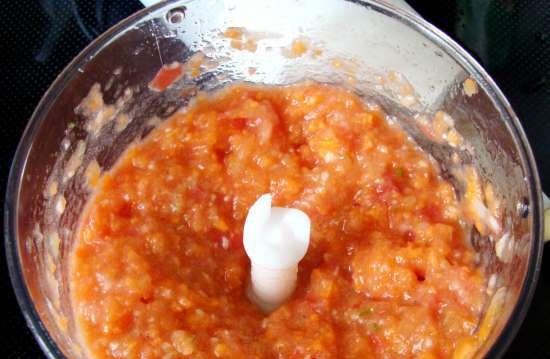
[
  {"x": 470, "y": 87},
  {"x": 122, "y": 121},
  {"x": 444, "y": 129},
  {"x": 60, "y": 204},
  {"x": 350, "y": 66},
  {"x": 62, "y": 323},
  {"x": 153, "y": 121},
  {"x": 241, "y": 39},
  {"x": 317, "y": 51},
  {"x": 51, "y": 191},
  {"x": 194, "y": 64},
  {"x": 92, "y": 174},
  {"x": 504, "y": 248},
  {"x": 441, "y": 124},
  {"x": 475, "y": 208},
  {"x": 454, "y": 139},
  {"x": 93, "y": 102},
  {"x": 166, "y": 76},
  {"x": 440, "y": 128},
  {"x": 494, "y": 203},
  {"x": 54, "y": 243},
  {"x": 235, "y": 33},
  {"x": 300, "y": 47},
  {"x": 95, "y": 110},
  {"x": 401, "y": 88},
  {"x": 74, "y": 161}
]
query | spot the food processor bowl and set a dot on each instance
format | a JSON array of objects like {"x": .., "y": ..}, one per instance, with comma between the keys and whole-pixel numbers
[{"x": 388, "y": 56}]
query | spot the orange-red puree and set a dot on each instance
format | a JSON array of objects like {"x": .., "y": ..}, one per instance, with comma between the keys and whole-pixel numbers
[{"x": 159, "y": 270}]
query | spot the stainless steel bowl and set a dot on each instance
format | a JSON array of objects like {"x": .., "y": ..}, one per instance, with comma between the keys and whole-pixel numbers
[{"x": 361, "y": 43}]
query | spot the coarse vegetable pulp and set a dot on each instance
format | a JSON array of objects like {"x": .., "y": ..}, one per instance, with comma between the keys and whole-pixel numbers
[{"x": 158, "y": 268}]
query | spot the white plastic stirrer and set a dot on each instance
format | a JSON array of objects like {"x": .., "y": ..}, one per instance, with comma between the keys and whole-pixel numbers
[{"x": 275, "y": 239}]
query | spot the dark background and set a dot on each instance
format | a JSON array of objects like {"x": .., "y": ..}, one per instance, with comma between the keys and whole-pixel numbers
[{"x": 511, "y": 38}]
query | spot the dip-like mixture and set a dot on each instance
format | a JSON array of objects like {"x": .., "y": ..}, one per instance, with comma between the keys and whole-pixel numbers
[{"x": 159, "y": 269}]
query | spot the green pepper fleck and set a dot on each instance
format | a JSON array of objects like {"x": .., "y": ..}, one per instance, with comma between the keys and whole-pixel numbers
[
  {"x": 366, "y": 311},
  {"x": 399, "y": 171}
]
